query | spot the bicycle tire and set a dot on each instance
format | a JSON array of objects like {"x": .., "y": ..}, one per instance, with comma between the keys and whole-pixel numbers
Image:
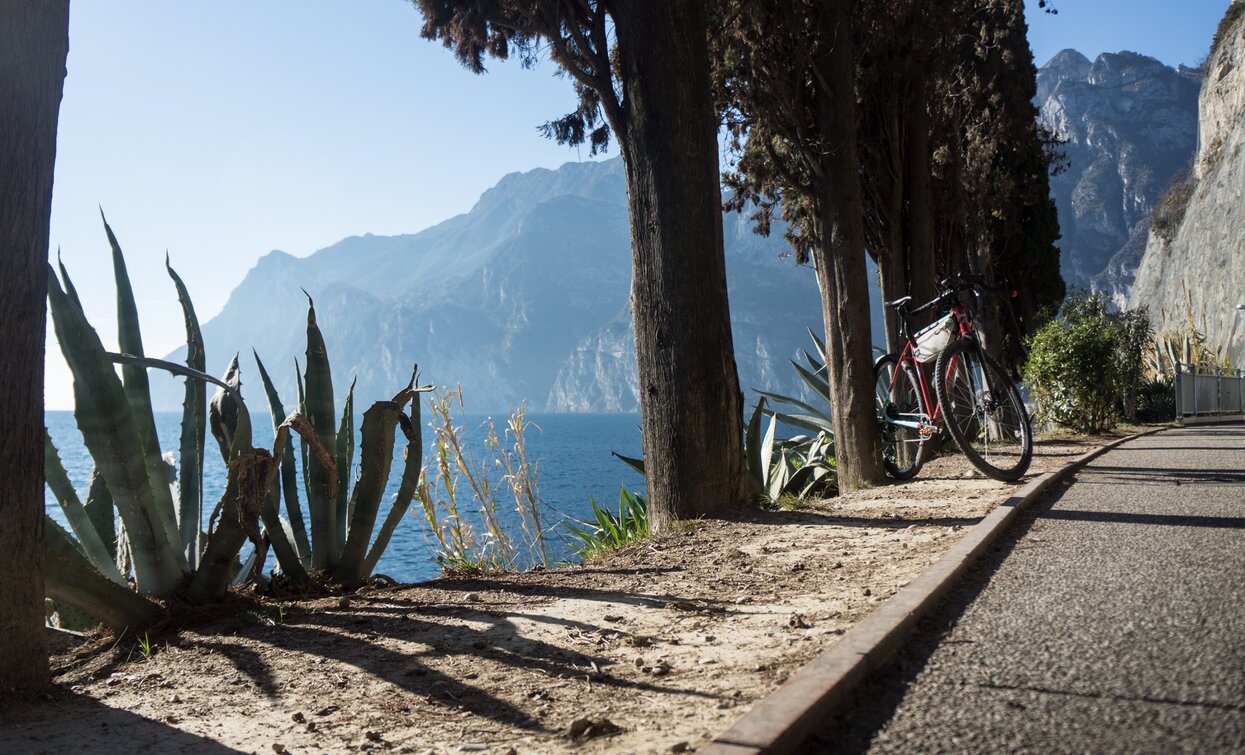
[
  {"x": 894, "y": 399},
  {"x": 992, "y": 431}
]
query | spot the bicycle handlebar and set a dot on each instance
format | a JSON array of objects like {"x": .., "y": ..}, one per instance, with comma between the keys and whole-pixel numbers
[{"x": 953, "y": 286}]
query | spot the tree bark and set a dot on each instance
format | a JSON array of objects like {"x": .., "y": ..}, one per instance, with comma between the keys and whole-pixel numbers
[
  {"x": 34, "y": 41},
  {"x": 923, "y": 277},
  {"x": 690, "y": 401},
  {"x": 841, "y": 261}
]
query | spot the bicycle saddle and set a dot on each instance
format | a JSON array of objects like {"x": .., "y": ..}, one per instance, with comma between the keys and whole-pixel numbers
[{"x": 899, "y": 302}]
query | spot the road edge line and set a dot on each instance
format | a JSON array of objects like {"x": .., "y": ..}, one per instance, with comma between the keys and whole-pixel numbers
[{"x": 781, "y": 721}]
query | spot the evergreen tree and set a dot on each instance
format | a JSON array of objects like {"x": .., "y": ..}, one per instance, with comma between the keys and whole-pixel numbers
[
  {"x": 34, "y": 40},
  {"x": 641, "y": 73}
]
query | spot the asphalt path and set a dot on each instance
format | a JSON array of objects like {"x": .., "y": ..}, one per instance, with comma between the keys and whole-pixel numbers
[{"x": 1111, "y": 620}]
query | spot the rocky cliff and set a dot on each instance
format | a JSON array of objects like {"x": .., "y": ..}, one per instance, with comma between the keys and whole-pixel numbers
[
  {"x": 1129, "y": 124},
  {"x": 525, "y": 297},
  {"x": 1201, "y": 262}
]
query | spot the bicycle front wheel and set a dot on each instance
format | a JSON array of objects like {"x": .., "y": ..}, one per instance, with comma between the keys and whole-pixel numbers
[
  {"x": 983, "y": 411},
  {"x": 898, "y": 397}
]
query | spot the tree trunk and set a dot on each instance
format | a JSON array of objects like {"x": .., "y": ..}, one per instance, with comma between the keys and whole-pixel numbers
[
  {"x": 690, "y": 402},
  {"x": 923, "y": 275},
  {"x": 841, "y": 262},
  {"x": 34, "y": 40}
]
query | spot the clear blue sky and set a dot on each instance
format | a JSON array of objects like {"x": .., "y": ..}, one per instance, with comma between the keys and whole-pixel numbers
[{"x": 220, "y": 131}]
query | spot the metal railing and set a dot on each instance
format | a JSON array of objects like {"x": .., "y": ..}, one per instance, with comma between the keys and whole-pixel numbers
[{"x": 1209, "y": 393}]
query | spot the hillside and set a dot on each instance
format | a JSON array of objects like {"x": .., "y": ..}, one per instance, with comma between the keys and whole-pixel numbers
[
  {"x": 1198, "y": 265},
  {"x": 1129, "y": 124},
  {"x": 524, "y": 297}
]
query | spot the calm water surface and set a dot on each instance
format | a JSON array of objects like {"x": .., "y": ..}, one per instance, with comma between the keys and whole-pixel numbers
[{"x": 573, "y": 452}]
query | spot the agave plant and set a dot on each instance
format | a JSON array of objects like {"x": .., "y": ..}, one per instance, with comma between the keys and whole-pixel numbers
[
  {"x": 139, "y": 535},
  {"x": 340, "y": 546}
]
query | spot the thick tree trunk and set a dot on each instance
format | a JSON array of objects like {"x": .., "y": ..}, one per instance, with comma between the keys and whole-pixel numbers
[
  {"x": 923, "y": 276},
  {"x": 690, "y": 402},
  {"x": 841, "y": 262},
  {"x": 34, "y": 40}
]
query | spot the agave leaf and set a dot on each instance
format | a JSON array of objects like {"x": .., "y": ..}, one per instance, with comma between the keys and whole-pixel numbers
[
  {"x": 805, "y": 422},
  {"x": 778, "y": 478},
  {"x": 277, "y": 532},
  {"x": 223, "y": 410},
  {"x": 105, "y": 419},
  {"x": 194, "y": 429},
  {"x": 345, "y": 459},
  {"x": 375, "y": 458},
  {"x": 636, "y": 464},
  {"x": 69, "y": 287},
  {"x": 68, "y": 577},
  {"x": 820, "y": 345},
  {"x": 788, "y": 400},
  {"x": 318, "y": 399},
  {"x": 767, "y": 450},
  {"x": 752, "y": 445},
  {"x": 413, "y": 462},
  {"x": 88, "y": 537},
  {"x": 818, "y": 384},
  {"x": 102, "y": 512},
  {"x": 138, "y": 394},
  {"x": 289, "y": 474}
]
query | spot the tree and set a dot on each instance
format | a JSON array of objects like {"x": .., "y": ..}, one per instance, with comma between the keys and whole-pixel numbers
[
  {"x": 34, "y": 41},
  {"x": 650, "y": 87},
  {"x": 787, "y": 80}
]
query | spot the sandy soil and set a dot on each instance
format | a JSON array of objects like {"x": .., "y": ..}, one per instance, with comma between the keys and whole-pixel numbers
[{"x": 654, "y": 648}]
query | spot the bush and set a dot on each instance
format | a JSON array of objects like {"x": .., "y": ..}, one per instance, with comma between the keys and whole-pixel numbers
[
  {"x": 1168, "y": 212},
  {"x": 1081, "y": 365}
]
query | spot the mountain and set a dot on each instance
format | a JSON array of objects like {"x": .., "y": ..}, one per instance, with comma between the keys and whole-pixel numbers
[
  {"x": 523, "y": 298},
  {"x": 1129, "y": 124},
  {"x": 1196, "y": 267}
]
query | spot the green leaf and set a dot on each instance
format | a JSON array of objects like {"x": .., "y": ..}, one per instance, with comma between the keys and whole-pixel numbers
[
  {"x": 636, "y": 464},
  {"x": 375, "y": 458},
  {"x": 289, "y": 474},
  {"x": 345, "y": 458},
  {"x": 138, "y": 393},
  {"x": 752, "y": 445},
  {"x": 68, "y": 577},
  {"x": 194, "y": 429},
  {"x": 102, "y": 512},
  {"x": 88, "y": 537},
  {"x": 106, "y": 421},
  {"x": 318, "y": 384},
  {"x": 412, "y": 428},
  {"x": 819, "y": 385}
]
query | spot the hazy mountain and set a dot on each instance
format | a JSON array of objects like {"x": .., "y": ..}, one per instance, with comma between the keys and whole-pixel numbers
[
  {"x": 1130, "y": 124},
  {"x": 523, "y": 297}
]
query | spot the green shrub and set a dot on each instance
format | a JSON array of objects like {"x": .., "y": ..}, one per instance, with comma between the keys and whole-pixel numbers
[
  {"x": 1082, "y": 365},
  {"x": 610, "y": 531},
  {"x": 1168, "y": 212}
]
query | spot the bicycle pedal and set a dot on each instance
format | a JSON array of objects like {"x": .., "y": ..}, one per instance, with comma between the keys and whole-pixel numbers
[{"x": 927, "y": 430}]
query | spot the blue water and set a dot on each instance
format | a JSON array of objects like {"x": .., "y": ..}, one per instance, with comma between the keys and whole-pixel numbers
[{"x": 572, "y": 450}]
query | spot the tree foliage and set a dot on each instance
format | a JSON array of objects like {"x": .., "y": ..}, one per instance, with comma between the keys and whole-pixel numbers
[{"x": 1082, "y": 366}]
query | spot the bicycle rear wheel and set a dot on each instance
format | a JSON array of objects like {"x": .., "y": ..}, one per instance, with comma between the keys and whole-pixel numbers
[
  {"x": 983, "y": 411},
  {"x": 898, "y": 398}
]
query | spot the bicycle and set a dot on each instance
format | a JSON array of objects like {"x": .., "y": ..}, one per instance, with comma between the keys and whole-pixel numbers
[{"x": 977, "y": 402}]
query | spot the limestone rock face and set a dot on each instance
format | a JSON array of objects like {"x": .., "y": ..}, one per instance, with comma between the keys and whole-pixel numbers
[
  {"x": 1130, "y": 124},
  {"x": 1202, "y": 269}
]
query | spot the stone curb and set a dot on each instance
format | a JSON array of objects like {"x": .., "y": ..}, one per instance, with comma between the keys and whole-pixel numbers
[{"x": 780, "y": 722}]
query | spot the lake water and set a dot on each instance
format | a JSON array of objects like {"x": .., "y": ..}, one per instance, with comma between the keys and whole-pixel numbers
[{"x": 573, "y": 452}]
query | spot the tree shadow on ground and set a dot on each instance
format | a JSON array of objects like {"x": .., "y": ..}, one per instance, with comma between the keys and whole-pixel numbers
[
  {"x": 93, "y": 727},
  {"x": 352, "y": 637}
]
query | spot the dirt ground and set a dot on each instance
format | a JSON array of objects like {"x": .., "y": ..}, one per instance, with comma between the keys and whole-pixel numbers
[{"x": 653, "y": 648}]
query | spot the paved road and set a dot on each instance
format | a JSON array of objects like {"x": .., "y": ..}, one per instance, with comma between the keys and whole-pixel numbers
[{"x": 1112, "y": 621}]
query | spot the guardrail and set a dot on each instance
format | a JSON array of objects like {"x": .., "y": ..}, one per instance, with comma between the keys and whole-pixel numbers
[{"x": 1208, "y": 394}]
